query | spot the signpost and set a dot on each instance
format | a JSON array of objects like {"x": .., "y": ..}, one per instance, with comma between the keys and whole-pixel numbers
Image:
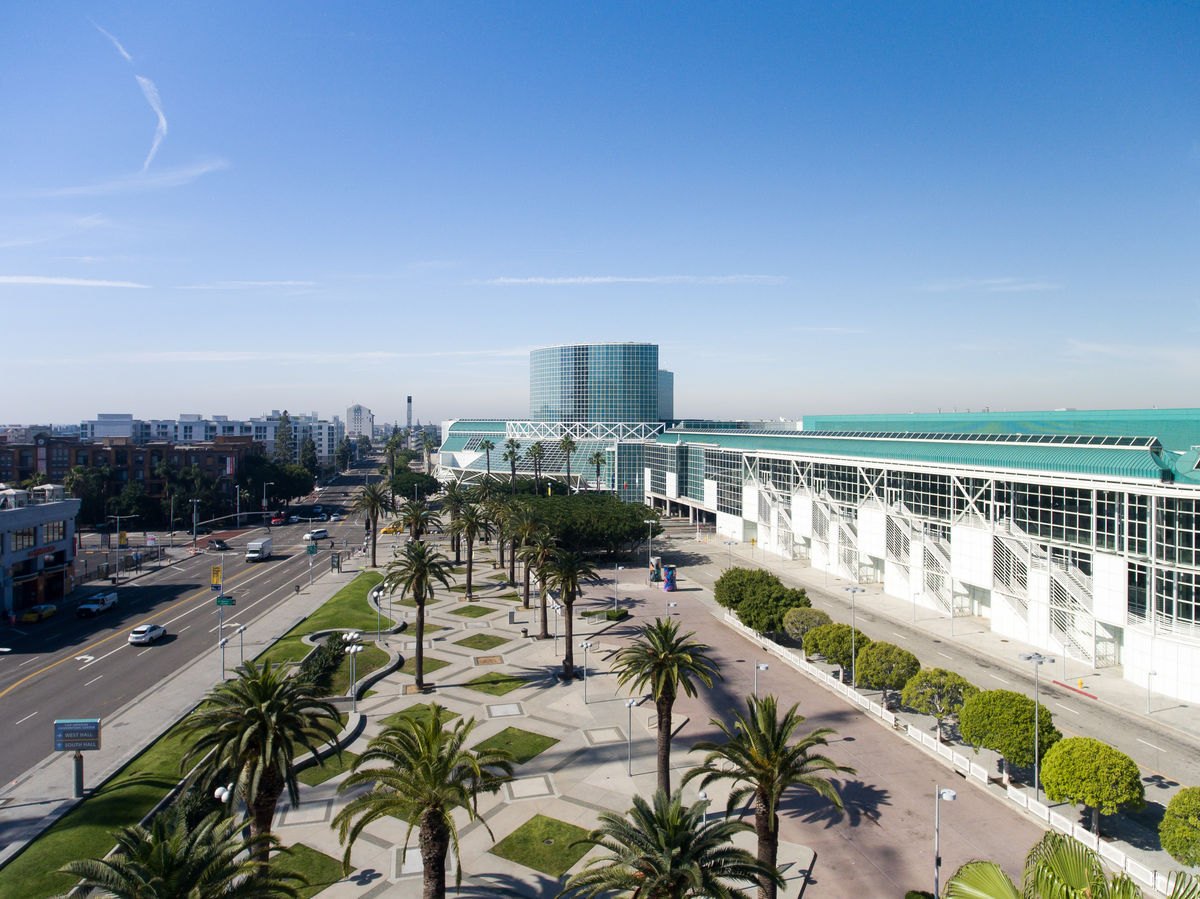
[
  {"x": 312, "y": 552},
  {"x": 226, "y": 601},
  {"x": 77, "y": 735},
  {"x": 216, "y": 578}
]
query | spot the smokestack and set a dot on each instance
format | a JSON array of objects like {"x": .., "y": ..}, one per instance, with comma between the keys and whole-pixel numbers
[{"x": 410, "y": 412}]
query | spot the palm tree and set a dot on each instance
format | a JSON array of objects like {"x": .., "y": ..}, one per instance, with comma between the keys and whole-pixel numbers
[
  {"x": 535, "y": 454},
  {"x": 428, "y": 445},
  {"x": 427, "y": 773},
  {"x": 670, "y": 851},
  {"x": 487, "y": 446},
  {"x": 415, "y": 569},
  {"x": 666, "y": 662},
  {"x": 536, "y": 555},
  {"x": 373, "y": 501},
  {"x": 250, "y": 728},
  {"x": 473, "y": 524},
  {"x": 756, "y": 757},
  {"x": 512, "y": 454},
  {"x": 498, "y": 510},
  {"x": 522, "y": 525},
  {"x": 568, "y": 446},
  {"x": 417, "y": 518},
  {"x": 453, "y": 500},
  {"x": 567, "y": 572},
  {"x": 169, "y": 860},
  {"x": 597, "y": 459}
]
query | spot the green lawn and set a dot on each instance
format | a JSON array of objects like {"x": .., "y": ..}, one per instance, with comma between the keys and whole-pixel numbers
[
  {"x": 431, "y": 664},
  {"x": 348, "y": 608},
  {"x": 417, "y": 710},
  {"x": 481, "y": 641},
  {"x": 544, "y": 844},
  {"x": 523, "y": 744},
  {"x": 472, "y": 611},
  {"x": 496, "y": 684},
  {"x": 318, "y": 774},
  {"x": 370, "y": 659},
  {"x": 320, "y": 870},
  {"x": 510, "y": 597}
]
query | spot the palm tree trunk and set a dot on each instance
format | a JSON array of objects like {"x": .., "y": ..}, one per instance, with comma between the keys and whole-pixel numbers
[
  {"x": 513, "y": 481},
  {"x": 569, "y": 655},
  {"x": 374, "y": 537},
  {"x": 512, "y": 562},
  {"x": 435, "y": 842},
  {"x": 545, "y": 634},
  {"x": 470, "y": 566},
  {"x": 457, "y": 540},
  {"x": 568, "y": 474},
  {"x": 664, "y": 704},
  {"x": 767, "y": 832},
  {"x": 419, "y": 657},
  {"x": 262, "y": 810},
  {"x": 500, "y": 540},
  {"x": 526, "y": 600}
]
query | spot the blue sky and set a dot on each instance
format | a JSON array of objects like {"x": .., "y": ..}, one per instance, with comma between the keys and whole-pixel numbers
[{"x": 229, "y": 208}]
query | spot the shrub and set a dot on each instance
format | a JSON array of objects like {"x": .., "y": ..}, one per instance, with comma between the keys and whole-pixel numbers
[
  {"x": 1180, "y": 827},
  {"x": 736, "y": 584},
  {"x": 799, "y": 621},
  {"x": 763, "y": 611},
  {"x": 833, "y": 641},
  {"x": 319, "y": 666}
]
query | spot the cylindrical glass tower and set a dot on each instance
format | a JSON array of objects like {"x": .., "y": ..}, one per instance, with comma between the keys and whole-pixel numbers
[{"x": 594, "y": 382}]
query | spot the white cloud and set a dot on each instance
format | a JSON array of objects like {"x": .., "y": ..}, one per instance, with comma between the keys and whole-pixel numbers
[
  {"x": 160, "y": 130},
  {"x": 43, "y": 281},
  {"x": 57, "y": 231},
  {"x": 116, "y": 43},
  {"x": 246, "y": 285},
  {"x": 991, "y": 285},
  {"x": 310, "y": 357},
  {"x": 141, "y": 181},
  {"x": 637, "y": 279}
]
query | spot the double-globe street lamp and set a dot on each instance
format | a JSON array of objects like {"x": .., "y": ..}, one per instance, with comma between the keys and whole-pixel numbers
[
  {"x": 1038, "y": 660},
  {"x": 853, "y": 633},
  {"x": 939, "y": 796},
  {"x": 352, "y": 650}
]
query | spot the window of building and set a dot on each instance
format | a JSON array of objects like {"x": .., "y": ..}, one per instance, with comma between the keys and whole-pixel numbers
[
  {"x": 54, "y": 530},
  {"x": 22, "y": 538}
]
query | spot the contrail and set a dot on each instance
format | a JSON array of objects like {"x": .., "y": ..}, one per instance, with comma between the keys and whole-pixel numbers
[
  {"x": 160, "y": 132},
  {"x": 116, "y": 43}
]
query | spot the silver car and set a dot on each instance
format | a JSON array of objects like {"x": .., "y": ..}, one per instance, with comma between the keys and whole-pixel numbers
[{"x": 147, "y": 633}]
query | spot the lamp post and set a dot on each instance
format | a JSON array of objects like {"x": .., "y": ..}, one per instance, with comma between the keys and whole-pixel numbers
[
  {"x": 939, "y": 796},
  {"x": 853, "y": 641},
  {"x": 1149, "y": 676},
  {"x": 353, "y": 650},
  {"x": 266, "y": 520},
  {"x": 557, "y": 608},
  {"x": 378, "y": 615},
  {"x": 759, "y": 666},
  {"x": 222, "y": 644},
  {"x": 729, "y": 545},
  {"x": 585, "y": 646},
  {"x": 629, "y": 704},
  {"x": 241, "y": 631},
  {"x": 195, "y": 505},
  {"x": 670, "y": 606},
  {"x": 617, "y": 586},
  {"x": 118, "y": 556},
  {"x": 649, "y": 541},
  {"x": 1038, "y": 660}
]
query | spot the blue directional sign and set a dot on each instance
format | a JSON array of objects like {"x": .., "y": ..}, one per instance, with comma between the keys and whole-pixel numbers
[{"x": 74, "y": 734}]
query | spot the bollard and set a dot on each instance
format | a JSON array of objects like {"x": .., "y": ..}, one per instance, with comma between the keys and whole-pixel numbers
[{"x": 524, "y": 632}]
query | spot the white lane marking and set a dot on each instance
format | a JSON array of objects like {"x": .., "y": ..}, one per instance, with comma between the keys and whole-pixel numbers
[
  {"x": 85, "y": 659},
  {"x": 27, "y": 661},
  {"x": 231, "y": 623},
  {"x": 93, "y": 680},
  {"x": 998, "y": 677},
  {"x": 1139, "y": 739},
  {"x": 144, "y": 651},
  {"x": 26, "y": 718},
  {"x": 1066, "y": 708},
  {"x": 101, "y": 658},
  {"x": 944, "y": 656},
  {"x": 184, "y": 628},
  {"x": 900, "y": 635}
]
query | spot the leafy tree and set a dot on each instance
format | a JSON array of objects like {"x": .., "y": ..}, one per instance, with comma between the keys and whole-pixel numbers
[
  {"x": 250, "y": 728},
  {"x": 597, "y": 459},
  {"x": 308, "y": 457},
  {"x": 833, "y": 641},
  {"x": 415, "y": 569},
  {"x": 764, "y": 610},
  {"x": 487, "y": 446},
  {"x": 133, "y": 501},
  {"x": 512, "y": 455},
  {"x": 666, "y": 851},
  {"x": 799, "y": 620},
  {"x": 373, "y": 501},
  {"x": 567, "y": 572},
  {"x": 756, "y": 756},
  {"x": 1092, "y": 773},
  {"x": 1179, "y": 829},
  {"x": 427, "y": 772},
  {"x": 937, "y": 692},
  {"x": 568, "y": 446},
  {"x": 344, "y": 454},
  {"x": 285, "y": 442},
  {"x": 735, "y": 584},
  {"x": 1002, "y": 720},
  {"x": 665, "y": 661},
  {"x": 593, "y": 522},
  {"x": 404, "y": 483},
  {"x": 87, "y": 484},
  {"x": 886, "y": 666},
  {"x": 172, "y": 860}
]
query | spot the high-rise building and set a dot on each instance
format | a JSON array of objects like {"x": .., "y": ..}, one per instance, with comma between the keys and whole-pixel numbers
[
  {"x": 598, "y": 382},
  {"x": 359, "y": 421}
]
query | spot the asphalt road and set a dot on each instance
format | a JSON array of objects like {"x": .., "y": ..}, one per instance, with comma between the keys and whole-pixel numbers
[{"x": 66, "y": 667}]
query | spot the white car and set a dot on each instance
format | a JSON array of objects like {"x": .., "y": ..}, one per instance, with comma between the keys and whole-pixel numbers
[
  {"x": 147, "y": 633},
  {"x": 335, "y": 517},
  {"x": 317, "y": 534}
]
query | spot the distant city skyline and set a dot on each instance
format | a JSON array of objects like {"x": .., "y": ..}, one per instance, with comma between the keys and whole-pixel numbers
[{"x": 810, "y": 209}]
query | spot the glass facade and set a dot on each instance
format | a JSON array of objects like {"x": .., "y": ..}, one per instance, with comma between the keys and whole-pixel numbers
[{"x": 594, "y": 382}]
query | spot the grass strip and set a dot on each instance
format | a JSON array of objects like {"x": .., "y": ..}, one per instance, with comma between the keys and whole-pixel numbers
[
  {"x": 523, "y": 744},
  {"x": 430, "y": 665},
  {"x": 496, "y": 684},
  {"x": 473, "y": 611},
  {"x": 330, "y": 768},
  {"x": 320, "y": 870},
  {"x": 544, "y": 844},
  {"x": 370, "y": 659},
  {"x": 417, "y": 710},
  {"x": 481, "y": 641}
]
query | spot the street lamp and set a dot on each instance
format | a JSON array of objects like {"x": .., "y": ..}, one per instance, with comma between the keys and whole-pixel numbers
[
  {"x": 939, "y": 796},
  {"x": 649, "y": 541},
  {"x": 629, "y": 704},
  {"x": 670, "y": 606},
  {"x": 758, "y": 666},
  {"x": 1038, "y": 660},
  {"x": 195, "y": 504},
  {"x": 223, "y": 794},
  {"x": 729, "y": 544},
  {"x": 585, "y": 646},
  {"x": 353, "y": 650},
  {"x": 266, "y": 520},
  {"x": 853, "y": 632},
  {"x": 1149, "y": 675},
  {"x": 241, "y": 644},
  {"x": 557, "y": 608},
  {"x": 222, "y": 644},
  {"x": 617, "y": 585}
]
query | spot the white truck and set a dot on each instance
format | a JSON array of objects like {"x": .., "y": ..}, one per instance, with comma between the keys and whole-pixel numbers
[
  {"x": 258, "y": 550},
  {"x": 94, "y": 605}
]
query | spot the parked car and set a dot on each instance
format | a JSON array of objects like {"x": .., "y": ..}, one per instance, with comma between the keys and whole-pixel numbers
[
  {"x": 38, "y": 613},
  {"x": 335, "y": 517},
  {"x": 292, "y": 519},
  {"x": 277, "y": 520},
  {"x": 147, "y": 633},
  {"x": 317, "y": 509},
  {"x": 101, "y": 602},
  {"x": 317, "y": 534},
  {"x": 394, "y": 528},
  {"x": 218, "y": 544},
  {"x": 322, "y": 517}
]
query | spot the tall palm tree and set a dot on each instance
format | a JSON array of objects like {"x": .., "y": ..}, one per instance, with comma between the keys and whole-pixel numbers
[
  {"x": 522, "y": 524},
  {"x": 756, "y": 757},
  {"x": 427, "y": 773},
  {"x": 567, "y": 572},
  {"x": 428, "y": 445},
  {"x": 536, "y": 555},
  {"x": 473, "y": 524},
  {"x": 169, "y": 860},
  {"x": 250, "y": 729},
  {"x": 535, "y": 454},
  {"x": 487, "y": 446},
  {"x": 498, "y": 510},
  {"x": 668, "y": 851},
  {"x": 568, "y": 446},
  {"x": 453, "y": 500},
  {"x": 415, "y": 570},
  {"x": 665, "y": 661},
  {"x": 417, "y": 518},
  {"x": 512, "y": 455},
  {"x": 597, "y": 459},
  {"x": 373, "y": 501}
]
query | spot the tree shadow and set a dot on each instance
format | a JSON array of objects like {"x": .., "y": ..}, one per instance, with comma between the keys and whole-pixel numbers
[
  {"x": 488, "y": 885},
  {"x": 861, "y": 801}
]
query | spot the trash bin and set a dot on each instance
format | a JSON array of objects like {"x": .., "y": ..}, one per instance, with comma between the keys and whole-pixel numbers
[{"x": 524, "y": 632}]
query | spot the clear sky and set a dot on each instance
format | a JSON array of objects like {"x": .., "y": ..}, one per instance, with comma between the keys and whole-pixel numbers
[{"x": 811, "y": 207}]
